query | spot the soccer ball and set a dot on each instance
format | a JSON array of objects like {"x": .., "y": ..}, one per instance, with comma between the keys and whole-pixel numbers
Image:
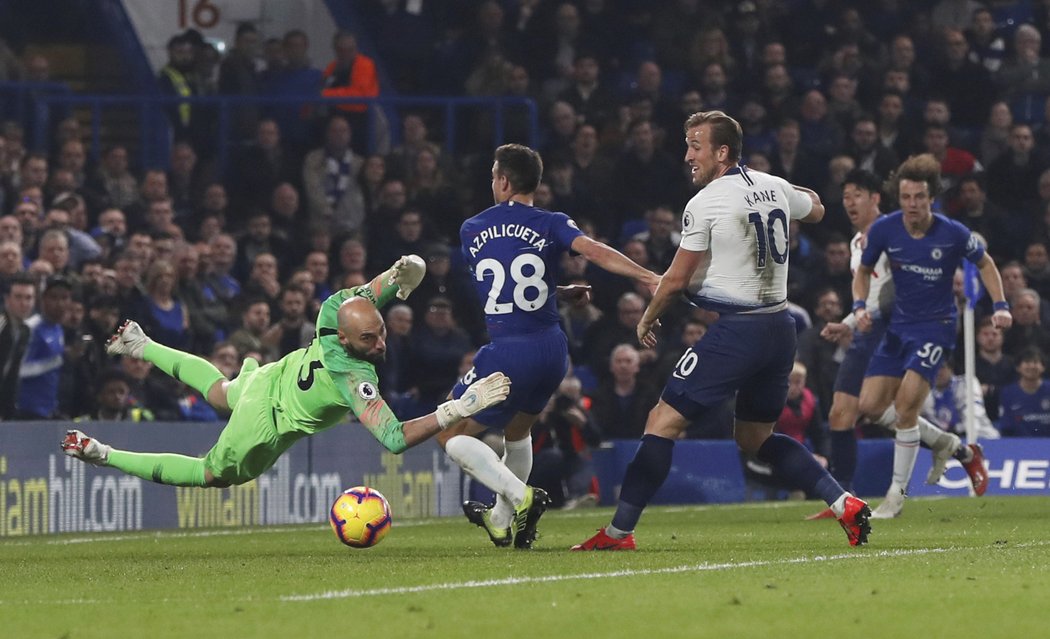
[{"x": 360, "y": 517}]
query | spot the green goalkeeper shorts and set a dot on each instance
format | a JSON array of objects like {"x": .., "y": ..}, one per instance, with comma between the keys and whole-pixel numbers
[{"x": 250, "y": 444}]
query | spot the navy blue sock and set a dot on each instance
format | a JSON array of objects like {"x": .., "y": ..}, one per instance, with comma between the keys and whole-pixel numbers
[
  {"x": 645, "y": 474},
  {"x": 794, "y": 464},
  {"x": 843, "y": 457}
]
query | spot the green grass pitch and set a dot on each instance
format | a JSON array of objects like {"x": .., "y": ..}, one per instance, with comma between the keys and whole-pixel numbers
[{"x": 946, "y": 568}]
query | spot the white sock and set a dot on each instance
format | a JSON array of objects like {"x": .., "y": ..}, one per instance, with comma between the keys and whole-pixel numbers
[
  {"x": 480, "y": 462},
  {"x": 839, "y": 505},
  {"x": 888, "y": 419},
  {"x": 930, "y": 434},
  {"x": 905, "y": 451},
  {"x": 517, "y": 457}
]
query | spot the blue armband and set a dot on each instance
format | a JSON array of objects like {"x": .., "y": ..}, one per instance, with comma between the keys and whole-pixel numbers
[
  {"x": 859, "y": 304},
  {"x": 1001, "y": 306}
]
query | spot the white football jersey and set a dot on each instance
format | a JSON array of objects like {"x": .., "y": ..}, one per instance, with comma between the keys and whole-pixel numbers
[
  {"x": 742, "y": 218},
  {"x": 880, "y": 291}
]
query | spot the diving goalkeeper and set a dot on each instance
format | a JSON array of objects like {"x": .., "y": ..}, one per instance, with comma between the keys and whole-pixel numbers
[{"x": 305, "y": 392}]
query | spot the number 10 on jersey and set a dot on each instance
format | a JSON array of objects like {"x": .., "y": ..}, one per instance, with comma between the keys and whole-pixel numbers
[{"x": 765, "y": 230}]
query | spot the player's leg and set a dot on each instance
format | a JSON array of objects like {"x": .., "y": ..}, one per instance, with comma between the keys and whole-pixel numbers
[
  {"x": 517, "y": 457},
  {"x": 196, "y": 372},
  {"x": 842, "y": 418},
  {"x": 645, "y": 473},
  {"x": 163, "y": 468}
]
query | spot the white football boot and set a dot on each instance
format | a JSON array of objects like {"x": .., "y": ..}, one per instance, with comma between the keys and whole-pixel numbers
[
  {"x": 891, "y": 506},
  {"x": 86, "y": 449},
  {"x": 128, "y": 340}
]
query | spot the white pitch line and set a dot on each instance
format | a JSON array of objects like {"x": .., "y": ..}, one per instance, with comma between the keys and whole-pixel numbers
[{"x": 517, "y": 581}]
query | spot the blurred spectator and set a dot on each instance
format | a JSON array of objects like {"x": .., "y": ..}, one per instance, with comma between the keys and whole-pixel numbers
[
  {"x": 112, "y": 185},
  {"x": 186, "y": 180},
  {"x": 219, "y": 283},
  {"x": 72, "y": 157},
  {"x": 373, "y": 175},
  {"x": 995, "y": 137},
  {"x": 645, "y": 177},
  {"x": 820, "y": 133},
  {"x": 177, "y": 79},
  {"x": 264, "y": 279},
  {"x": 1013, "y": 176},
  {"x": 260, "y": 238},
  {"x": 973, "y": 209},
  {"x": 317, "y": 264},
  {"x": 577, "y": 316},
  {"x": 288, "y": 220},
  {"x": 353, "y": 259},
  {"x": 987, "y": 46},
  {"x": 1026, "y": 403},
  {"x": 955, "y": 162},
  {"x": 612, "y": 330},
  {"x": 154, "y": 188},
  {"x": 820, "y": 356},
  {"x": 1036, "y": 267},
  {"x": 164, "y": 318},
  {"x": 255, "y": 321},
  {"x": 293, "y": 331},
  {"x": 621, "y": 404},
  {"x": 945, "y": 406},
  {"x": 395, "y": 372},
  {"x": 661, "y": 237},
  {"x": 296, "y": 78},
  {"x": 895, "y": 131},
  {"x": 54, "y": 249},
  {"x": 238, "y": 76},
  {"x": 437, "y": 346},
  {"x": 1027, "y": 330},
  {"x": 562, "y": 440},
  {"x": 592, "y": 101},
  {"x": 993, "y": 368},
  {"x": 834, "y": 273},
  {"x": 44, "y": 356},
  {"x": 351, "y": 75},
  {"x": 867, "y": 149},
  {"x": 793, "y": 162},
  {"x": 19, "y": 299},
  {"x": 415, "y": 137},
  {"x": 32, "y": 172},
  {"x": 444, "y": 281},
  {"x": 112, "y": 401},
  {"x": 11, "y": 263},
  {"x": 966, "y": 85},
  {"x": 111, "y": 232},
  {"x": 1026, "y": 73},
  {"x": 260, "y": 166},
  {"x": 333, "y": 193},
  {"x": 433, "y": 191},
  {"x": 150, "y": 390}
]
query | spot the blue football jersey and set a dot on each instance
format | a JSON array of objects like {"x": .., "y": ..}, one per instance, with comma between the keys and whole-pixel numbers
[
  {"x": 513, "y": 251},
  {"x": 1024, "y": 414},
  {"x": 923, "y": 268}
]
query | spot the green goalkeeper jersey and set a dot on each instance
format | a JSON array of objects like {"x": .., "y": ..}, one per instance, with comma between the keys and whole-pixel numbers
[{"x": 313, "y": 388}]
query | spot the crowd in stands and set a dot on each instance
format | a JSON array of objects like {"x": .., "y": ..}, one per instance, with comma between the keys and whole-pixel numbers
[{"x": 233, "y": 261}]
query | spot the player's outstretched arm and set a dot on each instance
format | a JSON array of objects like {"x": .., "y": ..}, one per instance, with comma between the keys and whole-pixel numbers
[
  {"x": 397, "y": 436},
  {"x": 400, "y": 279},
  {"x": 614, "y": 261}
]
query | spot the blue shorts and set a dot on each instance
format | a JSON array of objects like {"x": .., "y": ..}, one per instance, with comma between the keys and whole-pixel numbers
[
  {"x": 913, "y": 347},
  {"x": 536, "y": 364},
  {"x": 854, "y": 366},
  {"x": 747, "y": 355}
]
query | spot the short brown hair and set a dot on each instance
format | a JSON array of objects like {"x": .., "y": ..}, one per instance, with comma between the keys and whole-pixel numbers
[
  {"x": 521, "y": 165},
  {"x": 920, "y": 168},
  {"x": 725, "y": 131}
]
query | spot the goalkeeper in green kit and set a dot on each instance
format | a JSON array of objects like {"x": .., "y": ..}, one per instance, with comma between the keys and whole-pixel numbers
[{"x": 305, "y": 392}]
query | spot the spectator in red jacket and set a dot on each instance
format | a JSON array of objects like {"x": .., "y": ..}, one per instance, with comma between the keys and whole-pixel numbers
[{"x": 351, "y": 75}]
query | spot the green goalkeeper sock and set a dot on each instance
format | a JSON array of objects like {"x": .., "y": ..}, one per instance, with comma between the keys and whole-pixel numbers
[
  {"x": 196, "y": 372},
  {"x": 163, "y": 468}
]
